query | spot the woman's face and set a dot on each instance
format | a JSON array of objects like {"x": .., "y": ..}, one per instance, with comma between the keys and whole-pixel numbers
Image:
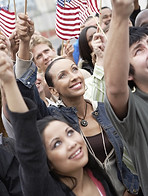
[
  {"x": 89, "y": 36},
  {"x": 67, "y": 79},
  {"x": 65, "y": 148}
]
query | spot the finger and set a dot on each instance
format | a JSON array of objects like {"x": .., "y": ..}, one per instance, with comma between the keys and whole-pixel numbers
[
  {"x": 98, "y": 29},
  {"x": 23, "y": 16}
]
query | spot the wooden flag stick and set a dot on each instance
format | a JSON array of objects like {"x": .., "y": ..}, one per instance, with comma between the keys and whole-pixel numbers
[
  {"x": 8, "y": 4},
  {"x": 91, "y": 13},
  {"x": 62, "y": 48},
  {"x": 25, "y": 6},
  {"x": 15, "y": 9},
  {"x": 100, "y": 11}
]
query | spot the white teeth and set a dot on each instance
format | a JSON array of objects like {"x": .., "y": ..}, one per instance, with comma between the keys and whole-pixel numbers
[
  {"x": 75, "y": 154},
  {"x": 77, "y": 85}
]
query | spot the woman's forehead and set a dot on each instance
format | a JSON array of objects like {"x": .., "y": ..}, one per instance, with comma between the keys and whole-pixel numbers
[{"x": 62, "y": 64}]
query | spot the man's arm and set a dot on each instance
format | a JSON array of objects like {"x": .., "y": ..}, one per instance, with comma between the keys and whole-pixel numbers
[{"x": 116, "y": 57}]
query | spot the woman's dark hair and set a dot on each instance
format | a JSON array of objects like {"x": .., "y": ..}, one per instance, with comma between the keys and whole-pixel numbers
[
  {"x": 97, "y": 171},
  {"x": 42, "y": 124},
  {"x": 48, "y": 76},
  {"x": 136, "y": 34},
  {"x": 85, "y": 50}
]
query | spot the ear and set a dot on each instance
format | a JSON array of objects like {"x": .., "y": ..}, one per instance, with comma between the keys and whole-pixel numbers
[
  {"x": 53, "y": 91},
  {"x": 130, "y": 77}
]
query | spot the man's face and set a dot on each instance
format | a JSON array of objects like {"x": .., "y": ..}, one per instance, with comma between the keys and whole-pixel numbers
[
  {"x": 43, "y": 55},
  {"x": 139, "y": 60},
  {"x": 106, "y": 15}
]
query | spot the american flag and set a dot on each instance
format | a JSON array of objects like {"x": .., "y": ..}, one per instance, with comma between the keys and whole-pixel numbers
[
  {"x": 67, "y": 19},
  {"x": 70, "y": 14},
  {"x": 94, "y": 5},
  {"x": 7, "y": 22}
]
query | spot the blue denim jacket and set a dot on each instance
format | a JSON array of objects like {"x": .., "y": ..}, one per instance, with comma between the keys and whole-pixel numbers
[{"x": 28, "y": 89}]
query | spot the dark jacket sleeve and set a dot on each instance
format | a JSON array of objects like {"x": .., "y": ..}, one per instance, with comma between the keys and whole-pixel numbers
[
  {"x": 34, "y": 172},
  {"x": 9, "y": 175},
  {"x": 33, "y": 94}
]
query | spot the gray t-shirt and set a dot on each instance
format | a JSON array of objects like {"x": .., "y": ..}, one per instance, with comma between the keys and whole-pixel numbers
[{"x": 133, "y": 130}]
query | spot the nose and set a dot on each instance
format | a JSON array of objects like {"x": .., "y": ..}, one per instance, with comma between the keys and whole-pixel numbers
[
  {"x": 71, "y": 144},
  {"x": 73, "y": 76},
  {"x": 45, "y": 56}
]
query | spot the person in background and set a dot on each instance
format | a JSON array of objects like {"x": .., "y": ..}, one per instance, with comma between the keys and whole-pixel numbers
[
  {"x": 90, "y": 21},
  {"x": 142, "y": 19},
  {"x": 135, "y": 12},
  {"x": 106, "y": 15},
  {"x": 86, "y": 49}
]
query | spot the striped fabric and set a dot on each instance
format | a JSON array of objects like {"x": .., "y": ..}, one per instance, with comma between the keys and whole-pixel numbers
[
  {"x": 7, "y": 22},
  {"x": 70, "y": 14}
]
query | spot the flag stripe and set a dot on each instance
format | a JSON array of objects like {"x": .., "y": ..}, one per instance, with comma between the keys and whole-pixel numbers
[
  {"x": 7, "y": 22},
  {"x": 70, "y": 14},
  {"x": 67, "y": 22}
]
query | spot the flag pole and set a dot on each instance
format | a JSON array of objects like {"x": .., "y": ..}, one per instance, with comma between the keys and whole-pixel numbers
[
  {"x": 8, "y": 4},
  {"x": 15, "y": 9},
  {"x": 100, "y": 11},
  {"x": 62, "y": 39},
  {"x": 25, "y": 6},
  {"x": 91, "y": 13}
]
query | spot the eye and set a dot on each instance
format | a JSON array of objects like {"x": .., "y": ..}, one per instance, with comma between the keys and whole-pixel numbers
[
  {"x": 75, "y": 69},
  {"x": 57, "y": 144},
  {"x": 39, "y": 56},
  {"x": 70, "y": 132},
  {"x": 138, "y": 51},
  {"x": 62, "y": 75},
  {"x": 46, "y": 51}
]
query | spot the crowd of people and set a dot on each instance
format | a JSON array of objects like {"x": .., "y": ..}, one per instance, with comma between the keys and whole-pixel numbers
[{"x": 76, "y": 119}]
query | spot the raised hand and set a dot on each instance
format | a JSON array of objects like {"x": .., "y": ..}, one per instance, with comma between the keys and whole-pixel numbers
[
  {"x": 14, "y": 44},
  {"x": 98, "y": 44},
  {"x": 4, "y": 44},
  {"x": 122, "y": 8},
  {"x": 24, "y": 27},
  {"x": 68, "y": 49},
  {"x": 6, "y": 68}
]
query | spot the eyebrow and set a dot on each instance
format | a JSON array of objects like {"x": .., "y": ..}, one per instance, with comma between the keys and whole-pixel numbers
[
  {"x": 136, "y": 47},
  {"x": 47, "y": 49},
  {"x": 64, "y": 70},
  {"x": 56, "y": 138}
]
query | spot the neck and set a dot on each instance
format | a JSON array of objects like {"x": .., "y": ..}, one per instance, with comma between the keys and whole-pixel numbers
[
  {"x": 143, "y": 88},
  {"x": 79, "y": 104},
  {"x": 80, "y": 179}
]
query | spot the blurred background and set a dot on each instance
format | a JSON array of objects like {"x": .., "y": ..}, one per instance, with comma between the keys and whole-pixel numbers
[{"x": 43, "y": 14}]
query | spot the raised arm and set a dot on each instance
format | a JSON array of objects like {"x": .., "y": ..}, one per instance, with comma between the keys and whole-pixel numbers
[
  {"x": 116, "y": 57},
  {"x": 8, "y": 84},
  {"x": 24, "y": 29}
]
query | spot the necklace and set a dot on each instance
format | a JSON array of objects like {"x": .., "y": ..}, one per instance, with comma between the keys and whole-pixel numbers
[
  {"x": 83, "y": 122},
  {"x": 90, "y": 147}
]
